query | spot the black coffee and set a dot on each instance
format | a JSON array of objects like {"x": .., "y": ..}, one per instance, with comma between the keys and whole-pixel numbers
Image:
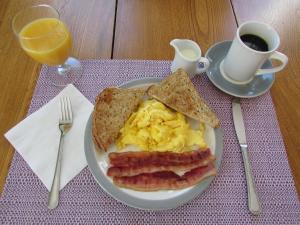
[{"x": 255, "y": 42}]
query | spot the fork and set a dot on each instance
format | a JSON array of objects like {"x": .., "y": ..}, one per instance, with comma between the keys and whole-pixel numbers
[{"x": 65, "y": 123}]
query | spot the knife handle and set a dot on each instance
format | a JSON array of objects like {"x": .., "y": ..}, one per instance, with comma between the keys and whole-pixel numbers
[{"x": 253, "y": 201}]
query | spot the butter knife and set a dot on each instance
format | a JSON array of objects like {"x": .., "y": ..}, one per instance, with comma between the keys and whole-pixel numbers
[{"x": 253, "y": 201}]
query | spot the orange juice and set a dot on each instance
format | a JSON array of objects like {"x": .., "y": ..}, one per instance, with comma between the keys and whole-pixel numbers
[{"x": 46, "y": 40}]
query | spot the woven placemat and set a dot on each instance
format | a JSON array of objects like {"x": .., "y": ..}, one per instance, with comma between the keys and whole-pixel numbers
[{"x": 82, "y": 201}]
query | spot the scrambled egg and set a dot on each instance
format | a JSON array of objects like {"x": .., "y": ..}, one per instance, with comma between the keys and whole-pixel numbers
[{"x": 154, "y": 127}]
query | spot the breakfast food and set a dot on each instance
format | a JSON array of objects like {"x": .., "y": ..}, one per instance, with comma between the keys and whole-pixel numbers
[
  {"x": 152, "y": 171},
  {"x": 158, "y": 162},
  {"x": 178, "y": 92},
  {"x": 169, "y": 151},
  {"x": 124, "y": 171},
  {"x": 165, "y": 180},
  {"x": 154, "y": 127},
  {"x": 157, "y": 158},
  {"x": 112, "y": 108}
]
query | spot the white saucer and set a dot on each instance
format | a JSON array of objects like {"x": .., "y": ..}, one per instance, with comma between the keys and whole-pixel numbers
[{"x": 257, "y": 86}]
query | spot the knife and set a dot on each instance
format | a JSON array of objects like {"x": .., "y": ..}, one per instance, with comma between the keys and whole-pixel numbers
[{"x": 253, "y": 201}]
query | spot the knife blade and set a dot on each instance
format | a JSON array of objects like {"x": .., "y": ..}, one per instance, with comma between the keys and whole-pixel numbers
[{"x": 238, "y": 121}]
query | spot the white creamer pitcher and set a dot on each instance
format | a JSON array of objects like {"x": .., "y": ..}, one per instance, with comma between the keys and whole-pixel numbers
[{"x": 188, "y": 57}]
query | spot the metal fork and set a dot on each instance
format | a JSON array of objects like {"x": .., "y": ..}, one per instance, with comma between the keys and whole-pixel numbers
[{"x": 65, "y": 123}]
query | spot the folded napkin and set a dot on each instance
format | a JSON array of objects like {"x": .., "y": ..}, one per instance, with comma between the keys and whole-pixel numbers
[{"x": 36, "y": 138}]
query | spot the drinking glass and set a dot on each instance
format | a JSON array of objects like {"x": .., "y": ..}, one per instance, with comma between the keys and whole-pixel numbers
[{"x": 45, "y": 38}]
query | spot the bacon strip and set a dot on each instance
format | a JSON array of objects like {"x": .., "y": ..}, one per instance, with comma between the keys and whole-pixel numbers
[
  {"x": 121, "y": 171},
  {"x": 165, "y": 180},
  {"x": 143, "y": 158}
]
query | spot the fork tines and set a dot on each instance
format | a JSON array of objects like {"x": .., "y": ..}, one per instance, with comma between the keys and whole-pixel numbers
[{"x": 65, "y": 110}]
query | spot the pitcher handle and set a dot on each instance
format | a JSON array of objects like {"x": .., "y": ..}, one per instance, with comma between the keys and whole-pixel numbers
[{"x": 205, "y": 65}]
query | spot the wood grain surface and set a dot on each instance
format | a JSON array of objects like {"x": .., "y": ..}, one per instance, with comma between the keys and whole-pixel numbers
[
  {"x": 284, "y": 16},
  {"x": 90, "y": 22},
  {"x": 144, "y": 29}
]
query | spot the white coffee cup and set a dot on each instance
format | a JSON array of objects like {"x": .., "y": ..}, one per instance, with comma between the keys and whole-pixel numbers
[{"x": 243, "y": 63}]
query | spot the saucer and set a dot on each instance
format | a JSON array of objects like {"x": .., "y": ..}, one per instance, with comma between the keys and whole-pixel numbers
[{"x": 257, "y": 86}]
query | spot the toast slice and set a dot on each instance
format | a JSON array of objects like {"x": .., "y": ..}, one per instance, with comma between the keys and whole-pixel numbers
[
  {"x": 112, "y": 109},
  {"x": 178, "y": 92}
]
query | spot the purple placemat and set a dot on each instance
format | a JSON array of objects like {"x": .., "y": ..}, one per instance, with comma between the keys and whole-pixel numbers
[{"x": 82, "y": 201}]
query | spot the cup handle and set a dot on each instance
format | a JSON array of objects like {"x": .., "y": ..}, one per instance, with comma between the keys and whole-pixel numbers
[
  {"x": 278, "y": 56},
  {"x": 205, "y": 63}
]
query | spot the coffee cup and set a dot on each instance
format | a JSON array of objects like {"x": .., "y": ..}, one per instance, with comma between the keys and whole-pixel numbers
[{"x": 254, "y": 43}]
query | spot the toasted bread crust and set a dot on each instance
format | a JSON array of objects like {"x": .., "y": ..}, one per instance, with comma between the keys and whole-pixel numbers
[
  {"x": 178, "y": 92},
  {"x": 112, "y": 108}
]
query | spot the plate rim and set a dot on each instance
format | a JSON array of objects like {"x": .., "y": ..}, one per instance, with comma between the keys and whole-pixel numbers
[
  {"x": 225, "y": 90},
  {"x": 130, "y": 200}
]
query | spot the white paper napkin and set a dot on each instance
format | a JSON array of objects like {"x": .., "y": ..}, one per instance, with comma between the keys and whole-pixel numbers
[{"x": 36, "y": 138}]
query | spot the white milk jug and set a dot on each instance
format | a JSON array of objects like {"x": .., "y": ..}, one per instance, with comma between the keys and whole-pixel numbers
[{"x": 188, "y": 56}]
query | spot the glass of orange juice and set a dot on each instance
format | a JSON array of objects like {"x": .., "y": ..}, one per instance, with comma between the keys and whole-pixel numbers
[{"x": 45, "y": 38}]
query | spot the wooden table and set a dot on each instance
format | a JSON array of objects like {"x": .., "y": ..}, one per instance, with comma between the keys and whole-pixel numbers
[{"x": 141, "y": 29}]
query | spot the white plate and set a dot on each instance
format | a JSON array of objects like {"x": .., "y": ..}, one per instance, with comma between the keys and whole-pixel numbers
[{"x": 99, "y": 163}]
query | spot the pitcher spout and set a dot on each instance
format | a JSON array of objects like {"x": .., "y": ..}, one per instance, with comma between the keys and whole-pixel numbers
[{"x": 174, "y": 44}]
